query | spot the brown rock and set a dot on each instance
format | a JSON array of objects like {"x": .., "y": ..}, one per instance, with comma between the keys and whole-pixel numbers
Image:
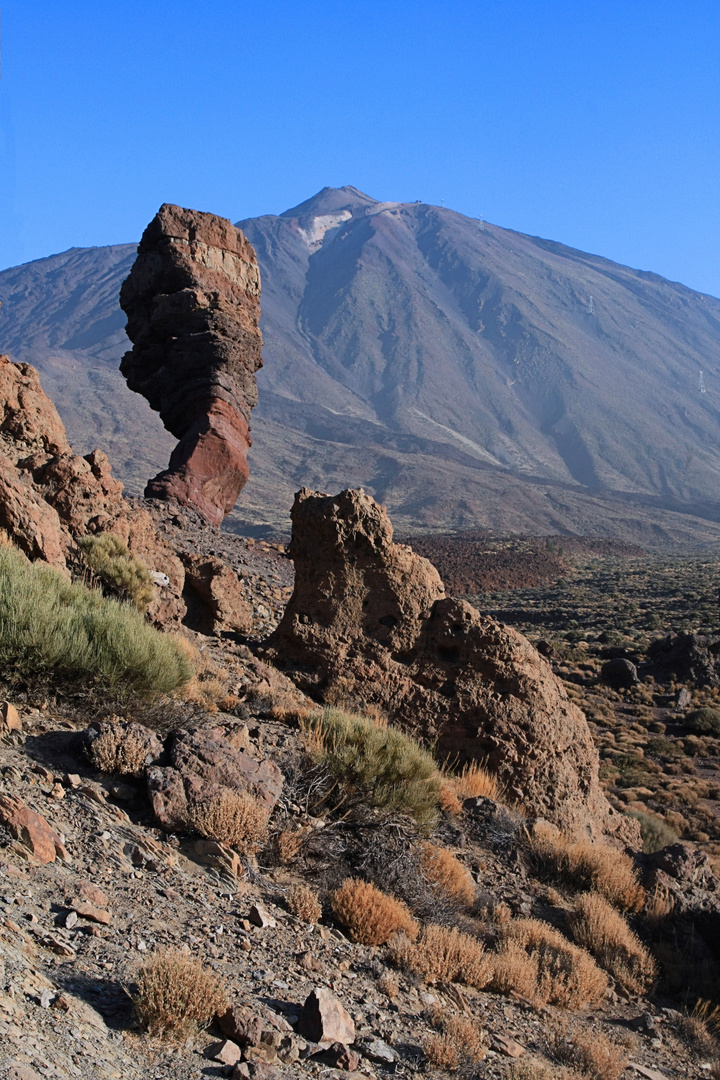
[
  {"x": 91, "y": 912},
  {"x": 260, "y": 916},
  {"x": 263, "y": 1052},
  {"x": 226, "y": 1052},
  {"x": 242, "y": 1025},
  {"x": 369, "y": 621},
  {"x": 324, "y": 1020},
  {"x": 193, "y": 304},
  {"x": 509, "y": 1047},
  {"x": 214, "y": 596},
  {"x": 220, "y": 857},
  {"x": 339, "y": 1056},
  {"x": 30, "y": 829},
  {"x": 202, "y": 763},
  {"x": 94, "y": 895},
  {"x": 9, "y": 718}
]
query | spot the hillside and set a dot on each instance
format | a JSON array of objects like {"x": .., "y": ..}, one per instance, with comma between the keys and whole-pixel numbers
[{"x": 465, "y": 374}]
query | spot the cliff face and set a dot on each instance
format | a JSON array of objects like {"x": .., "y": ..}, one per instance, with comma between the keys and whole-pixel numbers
[
  {"x": 369, "y": 623},
  {"x": 193, "y": 304}
]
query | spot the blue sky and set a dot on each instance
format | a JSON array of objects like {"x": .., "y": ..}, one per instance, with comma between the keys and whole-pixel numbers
[{"x": 595, "y": 124}]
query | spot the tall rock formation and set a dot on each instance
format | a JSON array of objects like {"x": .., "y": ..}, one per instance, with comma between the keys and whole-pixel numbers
[
  {"x": 369, "y": 623},
  {"x": 192, "y": 300}
]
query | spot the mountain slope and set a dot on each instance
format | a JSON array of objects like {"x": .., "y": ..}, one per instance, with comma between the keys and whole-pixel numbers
[{"x": 465, "y": 374}]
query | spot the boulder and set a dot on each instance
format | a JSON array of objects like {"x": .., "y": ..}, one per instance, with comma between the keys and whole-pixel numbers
[
  {"x": 369, "y": 623},
  {"x": 687, "y": 657},
  {"x": 619, "y": 673},
  {"x": 31, "y": 829},
  {"x": 50, "y": 496},
  {"x": 323, "y": 1019},
  {"x": 193, "y": 305},
  {"x": 214, "y": 596}
]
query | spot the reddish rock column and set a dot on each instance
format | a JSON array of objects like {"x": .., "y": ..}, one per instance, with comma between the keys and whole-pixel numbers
[{"x": 193, "y": 305}]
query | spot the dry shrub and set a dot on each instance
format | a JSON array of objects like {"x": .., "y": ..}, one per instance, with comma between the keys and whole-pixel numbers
[
  {"x": 177, "y": 995},
  {"x": 235, "y": 818},
  {"x": 701, "y": 1027},
  {"x": 591, "y": 1053},
  {"x": 448, "y": 874},
  {"x": 120, "y": 748},
  {"x": 459, "y": 1040},
  {"x": 289, "y": 842},
  {"x": 567, "y": 974},
  {"x": 444, "y": 954},
  {"x": 389, "y": 984},
  {"x": 603, "y": 931},
  {"x": 305, "y": 903},
  {"x": 370, "y": 915},
  {"x": 208, "y": 688},
  {"x": 585, "y": 865},
  {"x": 475, "y": 782},
  {"x": 448, "y": 800},
  {"x": 658, "y": 906},
  {"x": 514, "y": 970},
  {"x": 534, "y": 1069}
]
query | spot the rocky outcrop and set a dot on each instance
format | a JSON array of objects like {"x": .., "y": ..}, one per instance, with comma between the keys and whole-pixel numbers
[
  {"x": 193, "y": 305},
  {"x": 369, "y": 623},
  {"x": 50, "y": 496},
  {"x": 687, "y": 657}
]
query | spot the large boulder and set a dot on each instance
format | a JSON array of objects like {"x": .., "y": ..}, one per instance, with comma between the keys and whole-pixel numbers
[
  {"x": 50, "y": 496},
  {"x": 369, "y": 623},
  {"x": 193, "y": 305}
]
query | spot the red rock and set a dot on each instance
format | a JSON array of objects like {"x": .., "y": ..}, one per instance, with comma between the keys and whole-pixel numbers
[
  {"x": 30, "y": 829},
  {"x": 369, "y": 621},
  {"x": 91, "y": 912},
  {"x": 9, "y": 718},
  {"x": 324, "y": 1020},
  {"x": 509, "y": 1047},
  {"x": 87, "y": 891},
  {"x": 242, "y": 1025},
  {"x": 193, "y": 304},
  {"x": 226, "y": 1052},
  {"x": 214, "y": 595}
]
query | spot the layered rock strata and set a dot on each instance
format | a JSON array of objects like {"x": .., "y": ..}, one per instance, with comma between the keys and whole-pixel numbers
[
  {"x": 369, "y": 623},
  {"x": 50, "y": 496},
  {"x": 193, "y": 305}
]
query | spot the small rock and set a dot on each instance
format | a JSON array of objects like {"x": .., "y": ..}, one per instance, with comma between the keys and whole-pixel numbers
[
  {"x": 324, "y": 1020},
  {"x": 226, "y": 1052},
  {"x": 260, "y": 916},
  {"x": 46, "y": 999},
  {"x": 509, "y": 1047},
  {"x": 309, "y": 962},
  {"x": 73, "y": 780},
  {"x": 9, "y": 718},
  {"x": 241, "y": 1025},
  {"x": 339, "y": 1056},
  {"x": 262, "y": 1052},
  {"x": 31, "y": 830},
  {"x": 241, "y": 1071},
  {"x": 87, "y": 891},
  {"x": 378, "y": 1051},
  {"x": 90, "y": 911}
]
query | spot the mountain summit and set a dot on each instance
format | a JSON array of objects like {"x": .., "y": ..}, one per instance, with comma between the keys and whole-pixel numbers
[{"x": 465, "y": 374}]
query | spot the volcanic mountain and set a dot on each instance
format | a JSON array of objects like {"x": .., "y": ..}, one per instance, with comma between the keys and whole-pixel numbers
[{"x": 465, "y": 374}]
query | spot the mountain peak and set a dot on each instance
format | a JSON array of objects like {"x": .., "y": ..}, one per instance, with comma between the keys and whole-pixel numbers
[{"x": 331, "y": 201}]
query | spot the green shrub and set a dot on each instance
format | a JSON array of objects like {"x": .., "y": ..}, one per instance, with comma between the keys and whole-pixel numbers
[
  {"x": 704, "y": 721},
  {"x": 50, "y": 627},
  {"x": 379, "y": 764},
  {"x": 126, "y": 577},
  {"x": 655, "y": 833}
]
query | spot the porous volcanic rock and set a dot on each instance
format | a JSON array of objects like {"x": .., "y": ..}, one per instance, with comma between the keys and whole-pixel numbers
[
  {"x": 50, "y": 496},
  {"x": 369, "y": 623},
  {"x": 193, "y": 305},
  {"x": 687, "y": 657}
]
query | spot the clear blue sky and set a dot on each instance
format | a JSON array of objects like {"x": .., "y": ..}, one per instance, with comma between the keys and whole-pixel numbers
[{"x": 595, "y": 124}]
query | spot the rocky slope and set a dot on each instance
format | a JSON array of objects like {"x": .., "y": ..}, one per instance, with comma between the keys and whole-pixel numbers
[{"x": 465, "y": 375}]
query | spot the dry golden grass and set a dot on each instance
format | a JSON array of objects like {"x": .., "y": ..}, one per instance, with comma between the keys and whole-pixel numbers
[
  {"x": 177, "y": 995},
  {"x": 448, "y": 800},
  {"x": 603, "y": 931},
  {"x": 514, "y": 970},
  {"x": 567, "y": 974},
  {"x": 534, "y": 1069},
  {"x": 591, "y": 1053},
  {"x": 458, "y": 1040},
  {"x": 446, "y": 872},
  {"x": 305, "y": 903},
  {"x": 443, "y": 954},
  {"x": 700, "y": 1028},
  {"x": 371, "y": 916},
  {"x": 119, "y": 750},
  {"x": 289, "y": 842},
  {"x": 585, "y": 865},
  {"x": 474, "y": 782},
  {"x": 235, "y": 818},
  {"x": 389, "y": 984},
  {"x": 658, "y": 906}
]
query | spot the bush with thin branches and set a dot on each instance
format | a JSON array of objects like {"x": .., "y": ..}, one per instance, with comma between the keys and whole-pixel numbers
[
  {"x": 176, "y": 994},
  {"x": 567, "y": 974},
  {"x": 304, "y": 902},
  {"x": 584, "y": 865},
  {"x": 235, "y": 818},
  {"x": 370, "y": 916},
  {"x": 443, "y": 954},
  {"x": 599, "y": 928}
]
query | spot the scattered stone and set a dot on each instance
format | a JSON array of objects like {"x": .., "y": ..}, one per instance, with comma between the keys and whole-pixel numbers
[
  {"x": 378, "y": 1051},
  {"x": 242, "y": 1025},
  {"x": 70, "y": 920},
  {"x": 260, "y": 916},
  {"x": 221, "y": 857},
  {"x": 226, "y": 1052},
  {"x": 324, "y": 1020},
  {"x": 504, "y": 1045},
  {"x": 338, "y": 1056},
  {"x": 651, "y": 1074},
  {"x": 91, "y": 912},
  {"x": 619, "y": 673},
  {"x": 9, "y": 718},
  {"x": 31, "y": 829}
]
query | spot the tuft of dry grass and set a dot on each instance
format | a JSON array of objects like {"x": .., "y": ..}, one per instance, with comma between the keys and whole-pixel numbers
[
  {"x": 177, "y": 995},
  {"x": 235, "y": 818},
  {"x": 289, "y": 842},
  {"x": 443, "y": 954},
  {"x": 658, "y": 907},
  {"x": 584, "y": 865},
  {"x": 121, "y": 749},
  {"x": 475, "y": 782},
  {"x": 599, "y": 928},
  {"x": 514, "y": 970},
  {"x": 700, "y": 1028},
  {"x": 591, "y": 1053},
  {"x": 448, "y": 874},
  {"x": 567, "y": 974},
  {"x": 458, "y": 1040},
  {"x": 371, "y": 916},
  {"x": 305, "y": 903},
  {"x": 389, "y": 984},
  {"x": 448, "y": 800},
  {"x": 441, "y": 1052}
]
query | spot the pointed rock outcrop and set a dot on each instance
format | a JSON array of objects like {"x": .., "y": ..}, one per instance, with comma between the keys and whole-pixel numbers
[
  {"x": 369, "y": 623},
  {"x": 193, "y": 305}
]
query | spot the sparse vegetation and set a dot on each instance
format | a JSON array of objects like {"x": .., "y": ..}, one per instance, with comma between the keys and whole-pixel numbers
[
  {"x": 584, "y": 865},
  {"x": 176, "y": 995},
  {"x": 120, "y": 748},
  {"x": 567, "y": 974},
  {"x": 51, "y": 628},
  {"x": 656, "y": 833},
  {"x": 458, "y": 1040},
  {"x": 305, "y": 903},
  {"x": 474, "y": 782},
  {"x": 448, "y": 874},
  {"x": 371, "y": 916},
  {"x": 704, "y": 721},
  {"x": 591, "y": 1053},
  {"x": 120, "y": 573},
  {"x": 603, "y": 931},
  {"x": 375, "y": 763},
  {"x": 235, "y": 818},
  {"x": 443, "y": 954}
]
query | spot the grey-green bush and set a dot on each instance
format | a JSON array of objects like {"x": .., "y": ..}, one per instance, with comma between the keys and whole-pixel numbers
[
  {"x": 704, "y": 721},
  {"x": 123, "y": 575},
  {"x": 51, "y": 627},
  {"x": 655, "y": 833}
]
